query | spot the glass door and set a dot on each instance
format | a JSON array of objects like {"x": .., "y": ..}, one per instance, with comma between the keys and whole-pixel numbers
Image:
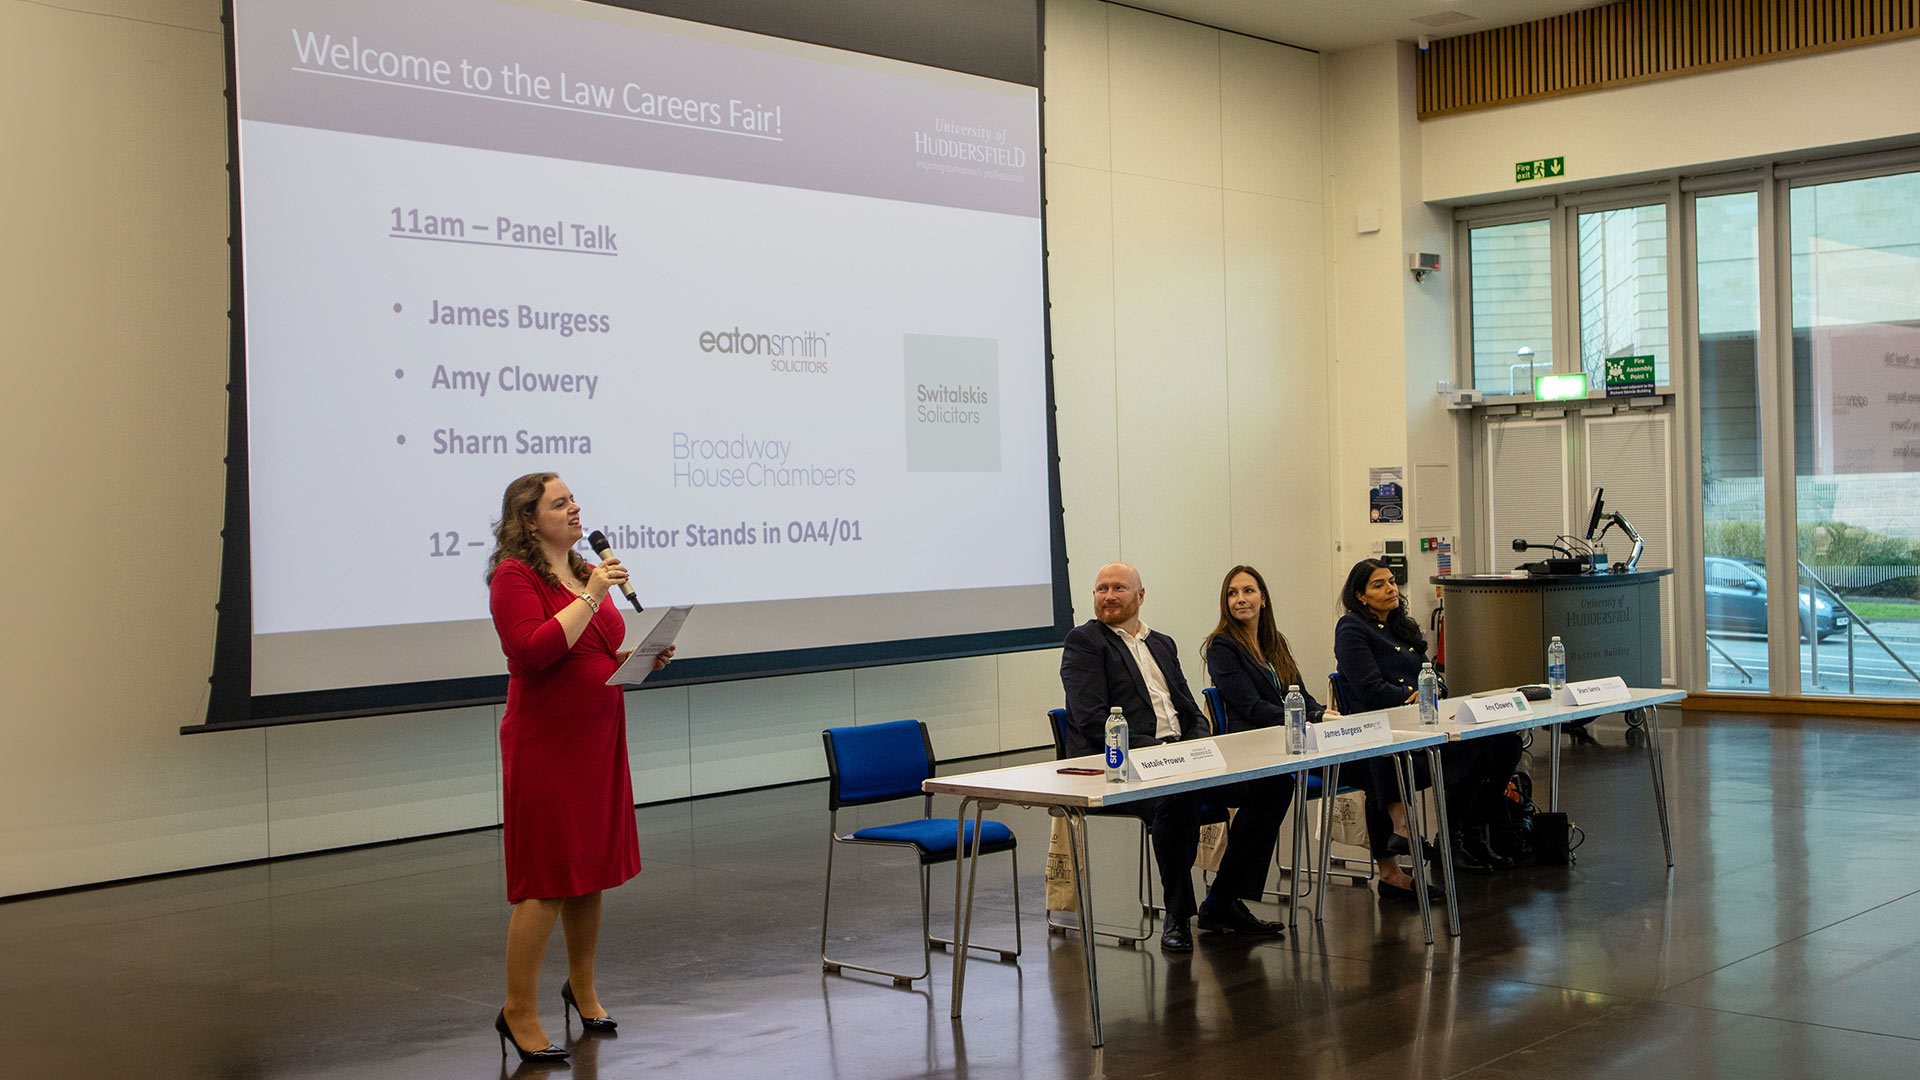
[{"x": 1855, "y": 266}]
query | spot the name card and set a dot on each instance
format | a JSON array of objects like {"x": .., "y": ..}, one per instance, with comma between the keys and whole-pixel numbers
[
  {"x": 1173, "y": 759},
  {"x": 1595, "y": 691},
  {"x": 1348, "y": 733},
  {"x": 1511, "y": 705}
]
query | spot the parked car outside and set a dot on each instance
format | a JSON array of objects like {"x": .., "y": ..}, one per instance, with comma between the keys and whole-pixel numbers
[{"x": 1737, "y": 601}]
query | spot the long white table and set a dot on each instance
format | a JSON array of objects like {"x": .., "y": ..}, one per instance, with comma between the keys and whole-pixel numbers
[
  {"x": 1545, "y": 714},
  {"x": 1247, "y": 755}
]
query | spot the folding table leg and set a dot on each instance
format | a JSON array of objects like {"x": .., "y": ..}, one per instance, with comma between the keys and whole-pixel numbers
[
  {"x": 1409, "y": 781},
  {"x": 1446, "y": 839},
  {"x": 1080, "y": 851},
  {"x": 1656, "y": 762},
  {"x": 1553, "y": 770}
]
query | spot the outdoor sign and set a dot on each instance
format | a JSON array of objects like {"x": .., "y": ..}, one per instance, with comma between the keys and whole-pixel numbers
[{"x": 1629, "y": 376}]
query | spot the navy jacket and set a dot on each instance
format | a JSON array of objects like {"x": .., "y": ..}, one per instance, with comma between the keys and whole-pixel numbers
[
  {"x": 1380, "y": 669},
  {"x": 1098, "y": 672},
  {"x": 1251, "y": 695}
]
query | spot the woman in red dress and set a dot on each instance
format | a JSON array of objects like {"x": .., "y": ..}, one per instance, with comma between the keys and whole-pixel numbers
[{"x": 569, "y": 827}]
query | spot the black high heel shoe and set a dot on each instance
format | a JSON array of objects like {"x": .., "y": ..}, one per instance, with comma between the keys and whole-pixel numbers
[
  {"x": 591, "y": 1023},
  {"x": 549, "y": 1052}
]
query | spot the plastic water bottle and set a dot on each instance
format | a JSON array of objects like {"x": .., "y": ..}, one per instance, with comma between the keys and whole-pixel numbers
[
  {"x": 1296, "y": 709},
  {"x": 1429, "y": 696},
  {"x": 1116, "y": 745},
  {"x": 1556, "y": 664}
]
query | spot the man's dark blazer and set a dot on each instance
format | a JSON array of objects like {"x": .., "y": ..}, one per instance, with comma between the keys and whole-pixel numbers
[
  {"x": 1248, "y": 690},
  {"x": 1098, "y": 671}
]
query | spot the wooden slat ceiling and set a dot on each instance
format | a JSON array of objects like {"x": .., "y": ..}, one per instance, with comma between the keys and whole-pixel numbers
[{"x": 1642, "y": 40}]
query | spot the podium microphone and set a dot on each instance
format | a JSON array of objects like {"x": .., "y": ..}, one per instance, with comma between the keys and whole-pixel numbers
[
  {"x": 597, "y": 540},
  {"x": 1518, "y": 545}
]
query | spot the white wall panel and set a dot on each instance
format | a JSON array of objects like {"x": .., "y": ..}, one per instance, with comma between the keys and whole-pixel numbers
[
  {"x": 1165, "y": 76},
  {"x": 765, "y": 731},
  {"x": 1170, "y": 355},
  {"x": 1526, "y": 485},
  {"x": 1075, "y": 76},
  {"x": 1270, "y": 120},
  {"x": 660, "y": 744},
  {"x": 1080, "y": 273},
  {"x": 958, "y": 700},
  {"x": 1631, "y": 456},
  {"x": 1280, "y": 507},
  {"x": 375, "y": 778},
  {"x": 1029, "y": 686},
  {"x": 113, "y": 299}
]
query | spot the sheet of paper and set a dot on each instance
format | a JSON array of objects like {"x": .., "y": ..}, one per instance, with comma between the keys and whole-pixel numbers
[{"x": 640, "y": 664}]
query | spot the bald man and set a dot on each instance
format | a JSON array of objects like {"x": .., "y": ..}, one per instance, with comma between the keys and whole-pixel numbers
[{"x": 1114, "y": 659}]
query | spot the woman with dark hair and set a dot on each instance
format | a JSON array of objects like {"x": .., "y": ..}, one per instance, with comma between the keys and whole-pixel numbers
[
  {"x": 568, "y": 795},
  {"x": 1249, "y": 661},
  {"x": 1378, "y": 649}
]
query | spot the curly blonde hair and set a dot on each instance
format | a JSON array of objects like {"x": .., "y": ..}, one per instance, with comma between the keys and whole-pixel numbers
[{"x": 513, "y": 536}]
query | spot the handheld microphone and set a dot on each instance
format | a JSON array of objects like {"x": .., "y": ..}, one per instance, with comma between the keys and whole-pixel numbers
[{"x": 597, "y": 540}]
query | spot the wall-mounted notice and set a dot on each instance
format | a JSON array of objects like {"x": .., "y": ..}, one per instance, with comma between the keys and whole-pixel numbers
[{"x": 1386, "y": 494}]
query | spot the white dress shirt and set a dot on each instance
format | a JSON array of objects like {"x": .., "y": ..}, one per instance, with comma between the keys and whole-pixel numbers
[{"x": 1168, "y": 721}]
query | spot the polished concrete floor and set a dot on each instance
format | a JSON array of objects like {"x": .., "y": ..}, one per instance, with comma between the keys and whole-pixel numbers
[{"x": 1786, "y": 943}]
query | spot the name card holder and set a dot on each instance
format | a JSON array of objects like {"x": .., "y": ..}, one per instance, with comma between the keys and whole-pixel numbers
[
  {"x": 1174, "y": 759},
  {"x": 1509, "y": 705},
  {"x": 1605, "y": 691},
  {"x": 1348, "y": 733}
]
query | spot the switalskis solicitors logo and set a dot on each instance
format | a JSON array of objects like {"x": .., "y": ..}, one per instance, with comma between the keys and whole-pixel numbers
[{"x": 803, "y": 352}]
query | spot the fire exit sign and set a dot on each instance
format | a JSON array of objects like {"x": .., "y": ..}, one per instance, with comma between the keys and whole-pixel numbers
[{"x": 1539, "y": 169}]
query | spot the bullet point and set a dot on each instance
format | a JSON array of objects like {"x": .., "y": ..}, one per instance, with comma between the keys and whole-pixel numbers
[
  {"x": 401, "y": 439},
  {"x": 399, "y": 374},
  {"x": 396, "y": 309}
]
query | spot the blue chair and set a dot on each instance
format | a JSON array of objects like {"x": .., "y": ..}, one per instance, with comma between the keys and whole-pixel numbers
[
  {"x": 876, "y": 763},
  {"x": 1342, "y": 695},
  {"x": 1057, "y": 720}
]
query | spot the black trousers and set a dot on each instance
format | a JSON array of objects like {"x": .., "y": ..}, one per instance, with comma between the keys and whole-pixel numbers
[
  {"x": 1174, "y": 824},
  {"x": 1477, "y": 771}
]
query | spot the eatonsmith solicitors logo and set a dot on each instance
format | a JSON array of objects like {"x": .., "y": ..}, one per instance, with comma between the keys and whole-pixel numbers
[{"x": 800, "y": 353}]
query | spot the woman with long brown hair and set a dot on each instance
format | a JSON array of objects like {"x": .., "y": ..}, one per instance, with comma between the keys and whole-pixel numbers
[{"x": 568, "y": 795}]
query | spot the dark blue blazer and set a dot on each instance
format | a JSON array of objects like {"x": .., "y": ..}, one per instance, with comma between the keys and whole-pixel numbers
[
  {"x": 1380, "y": 669},
  {"x": 1251, "y": 695},
  {"x": 1098, "y": 672}
]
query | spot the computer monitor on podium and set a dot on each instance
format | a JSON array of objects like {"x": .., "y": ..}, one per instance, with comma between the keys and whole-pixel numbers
[{"x": 1598, "y": 516}]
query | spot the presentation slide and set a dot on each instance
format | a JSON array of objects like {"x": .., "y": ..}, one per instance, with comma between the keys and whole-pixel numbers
[{"x": 775, "y": 313}]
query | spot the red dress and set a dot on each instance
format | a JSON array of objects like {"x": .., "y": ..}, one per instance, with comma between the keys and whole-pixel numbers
[{"x": 563, "y": 745}]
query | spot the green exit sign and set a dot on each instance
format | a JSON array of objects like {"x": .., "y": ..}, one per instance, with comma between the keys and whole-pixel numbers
[
  {"x": 1551, "y": 168},
  {"x": 1559, "y": 387}
]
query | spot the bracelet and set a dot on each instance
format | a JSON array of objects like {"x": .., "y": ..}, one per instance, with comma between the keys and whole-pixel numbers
[{"x": 592, "y": 604}]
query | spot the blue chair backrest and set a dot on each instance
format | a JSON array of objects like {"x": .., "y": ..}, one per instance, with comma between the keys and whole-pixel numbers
[
  {"x": 1057, "y": 723},
  {"x": 1216, "y": 709},
  {"x": 871, "y": 763},
  {"x": 1342, "y": 699}
]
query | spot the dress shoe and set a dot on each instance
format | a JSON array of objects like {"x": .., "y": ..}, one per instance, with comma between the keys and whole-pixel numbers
[
  {"x": 1464, "y": 859},
  {"x": 547, "y": 1053},
  {"x": 1390, "y": 891},
  {"x": 1397, "y": 845},
  {"x": 1474, "y": 840},
  {"x": 591, "y": 1023},
  {"x": 1176, "y": 938},
  {"x": 1232, "y": 917}
]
